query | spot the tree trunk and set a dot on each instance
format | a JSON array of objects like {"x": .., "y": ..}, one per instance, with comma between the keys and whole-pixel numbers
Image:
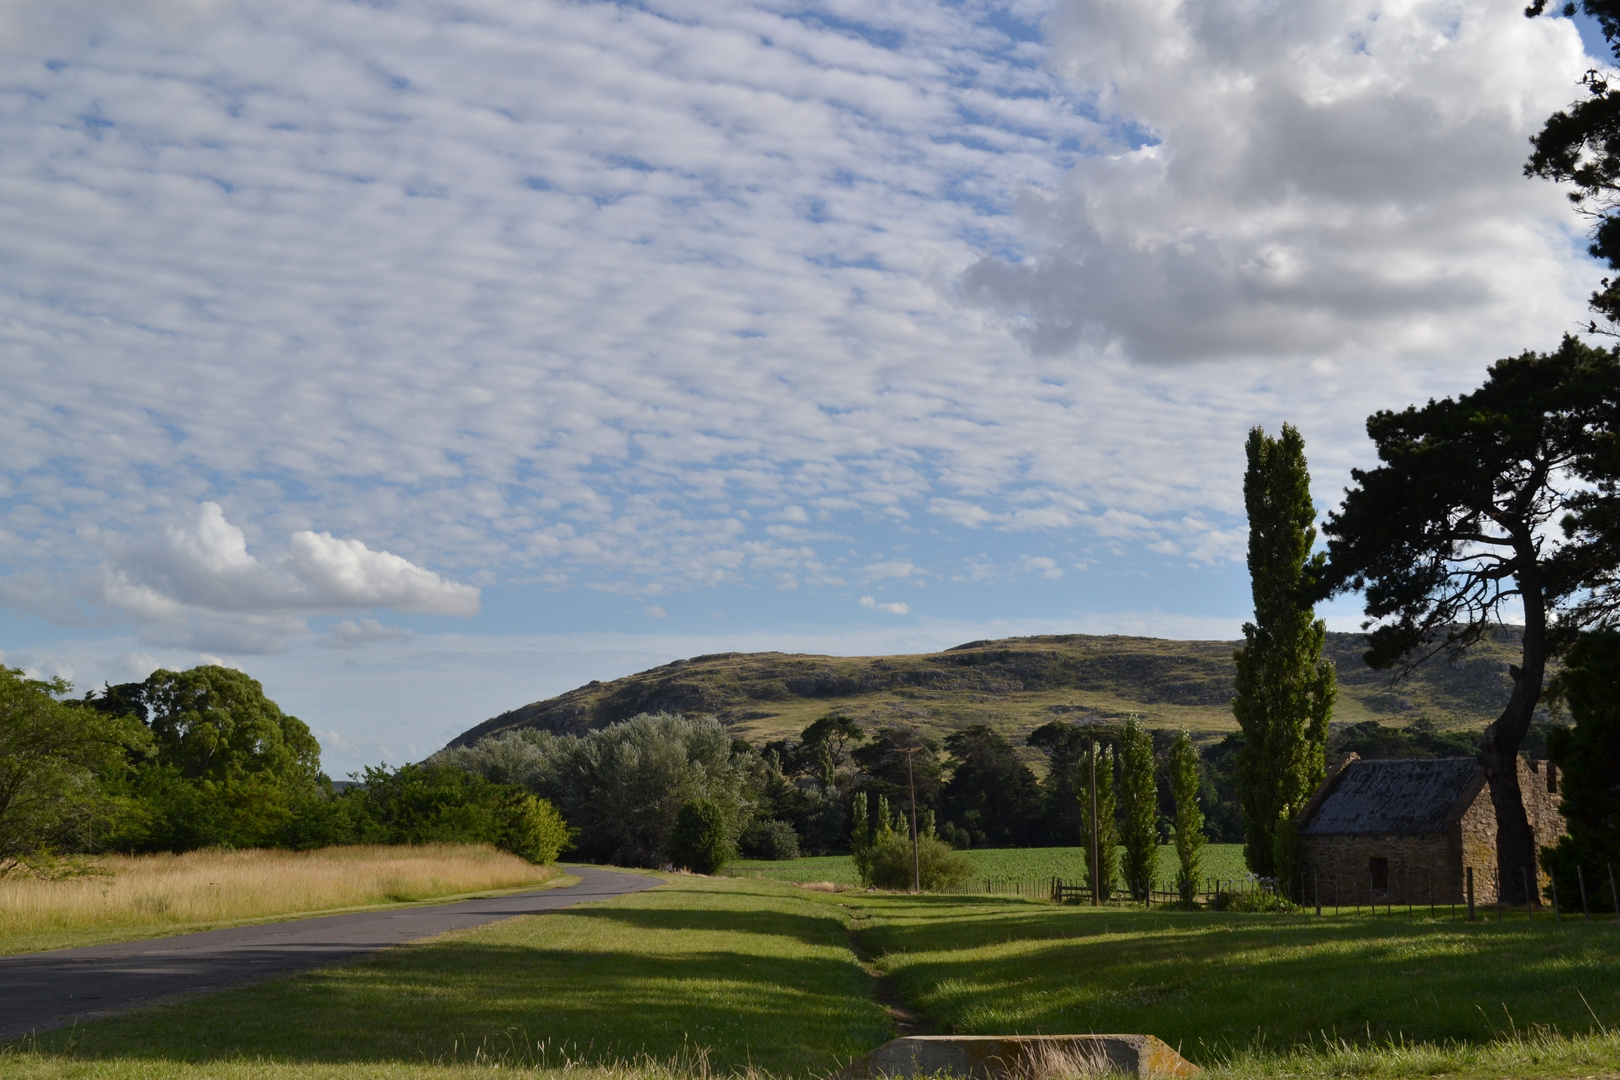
[{"x": 1499, "y": 746}]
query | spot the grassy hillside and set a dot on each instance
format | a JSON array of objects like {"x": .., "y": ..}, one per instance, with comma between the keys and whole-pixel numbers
[{"x": 1015, "y": 685}]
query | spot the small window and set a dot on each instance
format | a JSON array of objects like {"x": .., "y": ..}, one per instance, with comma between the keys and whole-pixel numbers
[
  {"x": 1379, "y": 868},
  {"x": 1552, "y": 778}
]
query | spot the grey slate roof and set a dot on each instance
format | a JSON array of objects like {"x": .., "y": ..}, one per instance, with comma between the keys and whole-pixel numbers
[{"x": 1393, "y": 796}]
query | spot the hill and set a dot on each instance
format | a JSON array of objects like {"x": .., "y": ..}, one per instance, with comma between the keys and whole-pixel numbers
[{"x": 1015, "y": 685}]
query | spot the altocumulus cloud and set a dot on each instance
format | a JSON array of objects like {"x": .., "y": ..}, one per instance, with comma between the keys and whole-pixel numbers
[{"x": 653, "y": 297}]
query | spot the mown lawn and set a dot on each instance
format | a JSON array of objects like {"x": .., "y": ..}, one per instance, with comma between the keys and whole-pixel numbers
[
  {"x": 1216, "y": 984},
  {"x": 750, "y": 972},
  {"x": 1034, "y": 865},
  {"x": 725, "y": 976}
]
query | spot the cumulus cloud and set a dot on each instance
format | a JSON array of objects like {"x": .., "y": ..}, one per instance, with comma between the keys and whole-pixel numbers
[
  {"x": 203, "y": 563},
  {"x": 896, "y": 608},
  {"x": 1321, "y": 179},
  {"x": 196, "y": 583}
]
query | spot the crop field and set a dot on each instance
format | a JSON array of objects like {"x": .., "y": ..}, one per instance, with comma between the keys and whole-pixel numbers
[
  {"x": 1034, "y": 866},
  {"x": 716, "y": 977},
  {"x": 127, "y": 897}
]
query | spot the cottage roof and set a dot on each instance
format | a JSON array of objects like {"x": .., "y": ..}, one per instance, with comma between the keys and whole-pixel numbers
[{"x": 1393, "y": 796}]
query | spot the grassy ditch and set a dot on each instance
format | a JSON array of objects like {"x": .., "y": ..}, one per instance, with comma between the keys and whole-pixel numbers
[
  {"x": 1221, "y": 861},
  {"x": 735, "y": 977},
  {"x": 150, "y": 895}
]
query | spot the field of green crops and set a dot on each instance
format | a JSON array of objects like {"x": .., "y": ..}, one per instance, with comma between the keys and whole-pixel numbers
[{"x": 1031, "y": 865}]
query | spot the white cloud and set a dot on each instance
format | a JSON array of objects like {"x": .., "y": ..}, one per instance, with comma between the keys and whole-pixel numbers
[
  {"x": 896, "y": 608},
  {"x": 623, "y": 298},
  {"x": 895, "y": 568},
  {"x": 196, "y": 583},
  {"x": 1043, "y": 565},
  {"x": 1337, "y": 180},
  {"x": 348, "y": 634}
]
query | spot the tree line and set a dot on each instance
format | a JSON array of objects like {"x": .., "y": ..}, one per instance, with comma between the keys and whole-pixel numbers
[{"x": 202, "y": 758}]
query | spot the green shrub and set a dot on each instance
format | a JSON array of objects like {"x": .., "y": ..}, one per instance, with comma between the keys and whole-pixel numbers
[
  {"x": 700, "y": 842},
  {"x": 939, "y": 865},
  {"x": 1255, "y": 901},
  {"x": 769, "y": 840},
  {"x": 532, "y": 828}
]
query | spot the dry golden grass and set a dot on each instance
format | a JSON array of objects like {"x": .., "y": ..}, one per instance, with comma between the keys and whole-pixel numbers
[{"x": 149, "y": 895}]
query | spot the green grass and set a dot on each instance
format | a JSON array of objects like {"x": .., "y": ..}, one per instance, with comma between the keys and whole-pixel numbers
[
  {"x": 718, "y": 976},
  {"x": 1224, "y": 861},
  {"x": 753, "y": 972},
  {"x": 1221, "y": 984}
]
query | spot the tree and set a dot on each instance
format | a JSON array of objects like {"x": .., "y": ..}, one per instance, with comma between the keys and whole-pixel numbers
[
  {"x": 54, "y": 761},
  {"x": 1138, "y": 808},
  {"x": 1190, "y": 839},
  {"x": 701, "y": 840},
  {"x": 1065, "y": 746},
  {"x": 991, "y": 794},
  {"x": 1588, "y": 756},
  {"x": 1100, "y": 832},
  {"x": 766, "y": 839},
  {"x": 228, "y": 766},
  {"x": 1580, "y": 145},
  {"x": 1453, "y": 533},
  {"x": 883, "y": 761},
  {"x": 622, "y": 786},
  {"x": 1284, "y": 687},
  {"x": 441, "y": 804}
]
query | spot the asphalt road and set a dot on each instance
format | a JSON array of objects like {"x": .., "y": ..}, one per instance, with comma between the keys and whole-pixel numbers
[{"x": 44, "y": 990}]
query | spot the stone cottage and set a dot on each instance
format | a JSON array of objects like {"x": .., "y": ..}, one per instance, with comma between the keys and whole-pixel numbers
[{"x": 1407, "y": 830}]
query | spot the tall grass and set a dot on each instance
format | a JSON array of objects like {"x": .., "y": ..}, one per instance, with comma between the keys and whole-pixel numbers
[{"x": 142, "y": 895}]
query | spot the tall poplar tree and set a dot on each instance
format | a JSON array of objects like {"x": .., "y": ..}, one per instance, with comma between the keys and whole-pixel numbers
[
  {"x": 1190, "y": 838},
  {"x": 1139, "y": 808},
  {"x": 1285, "y": 688},
  {"x": 1101, "y": 833}
]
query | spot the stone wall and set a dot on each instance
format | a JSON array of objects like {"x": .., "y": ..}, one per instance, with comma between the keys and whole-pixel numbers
[
  {"x": 1340, "y": 866},
  {"x": 1425, "y": 868}
]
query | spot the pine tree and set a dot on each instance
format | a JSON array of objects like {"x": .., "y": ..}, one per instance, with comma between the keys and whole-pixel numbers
[
  {"x": 1190, "y": 838},
  {"x": 1105, "y": 872},
  {"x": 1285, "y": 688},
  {"x": 1139, "y": 808}
]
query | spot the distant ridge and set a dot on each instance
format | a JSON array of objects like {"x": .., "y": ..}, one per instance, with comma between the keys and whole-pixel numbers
[{"x": 1013, "y": 684}]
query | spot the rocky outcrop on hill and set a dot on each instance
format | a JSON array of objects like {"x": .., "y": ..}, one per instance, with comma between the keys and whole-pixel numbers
[{"x": 1015, "y": 684}]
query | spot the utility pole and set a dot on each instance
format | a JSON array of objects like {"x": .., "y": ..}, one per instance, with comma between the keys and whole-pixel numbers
[{"x": 1096, "y": 853}]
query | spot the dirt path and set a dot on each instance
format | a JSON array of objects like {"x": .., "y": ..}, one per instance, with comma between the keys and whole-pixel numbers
[
  {"x": 40, "y": 991},
  {"x": 883, "y": 990}
]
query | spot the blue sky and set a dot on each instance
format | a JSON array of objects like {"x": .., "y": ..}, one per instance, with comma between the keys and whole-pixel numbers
[{"x": 424, "y": 358}]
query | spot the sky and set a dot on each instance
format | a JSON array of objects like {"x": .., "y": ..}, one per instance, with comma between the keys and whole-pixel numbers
[{"x": 424, "y": 358}]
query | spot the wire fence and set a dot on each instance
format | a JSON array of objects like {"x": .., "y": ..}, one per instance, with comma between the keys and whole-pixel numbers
[{"x": 1381, "y": 889}]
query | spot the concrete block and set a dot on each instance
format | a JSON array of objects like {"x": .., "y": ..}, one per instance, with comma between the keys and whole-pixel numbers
[{"x": 1020, "y": 1057}]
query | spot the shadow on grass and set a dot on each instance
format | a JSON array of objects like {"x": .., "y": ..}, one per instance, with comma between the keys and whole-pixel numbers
[
  {"x": 1221, "y": 982},
  {"x": 431, "y": 1003},
  {"x": 806, "y": 929}
]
